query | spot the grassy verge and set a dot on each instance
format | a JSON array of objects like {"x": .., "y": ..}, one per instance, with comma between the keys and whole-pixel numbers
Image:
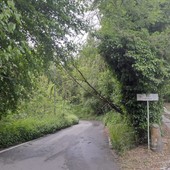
[
  {"x": 120, "y": 131},
  {"x": 15, "y": 131}
]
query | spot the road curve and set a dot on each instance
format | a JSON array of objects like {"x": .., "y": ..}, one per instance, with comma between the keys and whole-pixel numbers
[{"x": 80, "y": 147}]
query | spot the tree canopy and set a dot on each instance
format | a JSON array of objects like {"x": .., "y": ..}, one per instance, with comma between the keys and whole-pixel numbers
[
  {"x": 134, "y": 42},
  {"x": 32, "y": 33}
]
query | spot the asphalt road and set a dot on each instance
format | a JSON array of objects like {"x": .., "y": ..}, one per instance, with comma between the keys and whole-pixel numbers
[{"x": 80, "y": 147}]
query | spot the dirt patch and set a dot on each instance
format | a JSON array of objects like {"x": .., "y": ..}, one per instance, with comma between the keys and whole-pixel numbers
[
  {"x": 142, "y": 159},
  {"x": 167, "y": 105}
]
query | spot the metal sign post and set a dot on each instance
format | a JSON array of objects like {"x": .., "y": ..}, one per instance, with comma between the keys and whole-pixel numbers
[{"x": 147, "y": 98}]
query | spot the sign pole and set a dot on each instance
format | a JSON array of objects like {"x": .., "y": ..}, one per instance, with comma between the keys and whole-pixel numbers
[
  {"x": 147, "y": 98},
  {"x": 148, "y": 125}
]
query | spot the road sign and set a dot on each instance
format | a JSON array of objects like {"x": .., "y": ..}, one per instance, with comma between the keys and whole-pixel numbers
[{"x": 147, "y": 97}]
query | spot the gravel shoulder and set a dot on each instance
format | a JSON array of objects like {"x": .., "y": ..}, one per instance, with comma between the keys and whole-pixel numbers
[{"x": 140, "y": 158}]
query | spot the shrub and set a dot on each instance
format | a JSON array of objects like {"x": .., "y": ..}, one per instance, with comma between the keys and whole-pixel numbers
[
  {"x": 120, "y": 131},
  {"x": 22, "y": 130}
]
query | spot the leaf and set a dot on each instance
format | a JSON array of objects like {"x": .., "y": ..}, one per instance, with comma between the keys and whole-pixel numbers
[
  {"x": 11, "y": 4},
  {"x": 9, "y": 48},
  {"x": 18, "y": 17},
  {"x": 11, "y": 27},
  {"x": 1, "y": 16}
]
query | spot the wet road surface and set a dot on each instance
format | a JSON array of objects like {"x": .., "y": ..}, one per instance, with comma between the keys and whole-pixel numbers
[{"x": 80, "y": 147}]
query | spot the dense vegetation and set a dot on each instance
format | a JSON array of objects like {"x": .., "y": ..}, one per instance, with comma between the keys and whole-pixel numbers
[
  {"x": 37, "y": 116},
  {"x": 32, "y": 34},
  {"x": 43, "y": 80},
  {"x": 134, "y": 42},
  {"x": 121, "y": 132}
]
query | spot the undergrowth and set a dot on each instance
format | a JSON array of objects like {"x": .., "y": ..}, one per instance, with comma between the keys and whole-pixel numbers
[
  {"x": 120, "y": 131},
  {"x": 16, "y": 131},
  {"x": 84, "y": 113}
]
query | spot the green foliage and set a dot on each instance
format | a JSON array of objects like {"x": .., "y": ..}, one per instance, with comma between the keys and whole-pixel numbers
[
  {"x": 36, "y": 117},
  {"x": 101, "y": 78},
  {"x": 72, "y": 87},
  {"x": 137, "y": 68},
  {"x": 14, "y": 63},
  {"x": 167, "y": 94},
  {"x": 16, "y": 131},
  {"x": 134, "y": 42},
  {"x": 44, "y": 101},
  {"x": 33, "y": 33},
  {"x": 41, "y": 101},
  {"x": 120, "y": 131},
  {"x": 84, "y": 112},
  {"x": 49, "y": 23}
]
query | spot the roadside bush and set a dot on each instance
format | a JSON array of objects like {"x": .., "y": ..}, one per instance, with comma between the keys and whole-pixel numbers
[
  {"x": 120, "y": 131},
  {"x": 22, "y": 130},
  {"x": 37, "y": 116}
]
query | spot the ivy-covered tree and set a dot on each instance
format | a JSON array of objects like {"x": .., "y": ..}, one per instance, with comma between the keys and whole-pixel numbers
[
  {"x": 134, "y": 42},
  {"x": 32, "y": 33}
]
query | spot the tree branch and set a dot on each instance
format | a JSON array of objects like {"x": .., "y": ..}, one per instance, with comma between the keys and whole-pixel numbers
[{"x": 103, "y": 98}]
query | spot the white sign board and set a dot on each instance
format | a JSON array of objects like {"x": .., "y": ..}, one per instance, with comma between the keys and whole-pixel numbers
[{"x": 147, "y": 97}]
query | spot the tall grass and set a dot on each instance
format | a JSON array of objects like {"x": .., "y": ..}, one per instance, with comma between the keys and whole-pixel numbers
[{"x": 120, "y": 131}]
